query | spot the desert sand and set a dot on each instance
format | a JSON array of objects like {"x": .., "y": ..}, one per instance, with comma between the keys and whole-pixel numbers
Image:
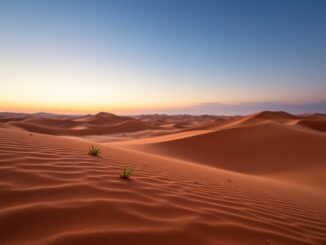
[{"x": 256, "y": 179}]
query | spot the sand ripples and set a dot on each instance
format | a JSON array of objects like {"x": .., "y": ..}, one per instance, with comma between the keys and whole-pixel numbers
[{"x": 51, "y": 192}]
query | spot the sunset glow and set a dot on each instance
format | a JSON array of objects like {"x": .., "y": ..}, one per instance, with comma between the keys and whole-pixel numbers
[{"x": 120, "y": 56}]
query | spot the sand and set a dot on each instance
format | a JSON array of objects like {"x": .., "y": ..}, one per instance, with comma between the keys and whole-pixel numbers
[{"x": 258, "y": 179}]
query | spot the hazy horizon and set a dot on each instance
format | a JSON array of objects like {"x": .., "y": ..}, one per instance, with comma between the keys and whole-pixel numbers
[
  {"x": 133, "y": 57},
  {"x": 210, "y": 109}
]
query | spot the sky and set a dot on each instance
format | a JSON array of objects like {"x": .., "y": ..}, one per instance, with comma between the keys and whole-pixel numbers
[{"x": 146, "y": 56}]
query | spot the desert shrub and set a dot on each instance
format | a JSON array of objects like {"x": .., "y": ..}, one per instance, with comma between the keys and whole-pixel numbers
[
  {"x": 127, "y": 172},
  {"x": 94, "y": 151}
]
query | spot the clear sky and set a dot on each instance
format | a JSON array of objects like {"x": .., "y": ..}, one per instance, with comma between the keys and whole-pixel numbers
[{"x": 145, "y": 56}]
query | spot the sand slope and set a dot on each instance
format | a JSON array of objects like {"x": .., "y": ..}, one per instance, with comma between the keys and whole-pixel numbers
[
  {"x": 263, "y": 148},
  {"x": 52, "y": 192},
  {"x": 316, "y": 124}
]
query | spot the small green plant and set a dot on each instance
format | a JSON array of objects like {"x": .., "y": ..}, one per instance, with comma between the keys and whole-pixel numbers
[
  {"x": 94, "y": 151},
  {"x": 127, "y": 172}
]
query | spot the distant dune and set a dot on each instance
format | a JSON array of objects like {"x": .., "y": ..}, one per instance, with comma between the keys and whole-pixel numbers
[
  {"x": 258, "y": 179},
  {"x": 319, "y": 125},
  {"x": 273, "y": 115},
  {"x": 277, "y": 116},
  {"x": 104, "y": 118},
  {"x": 99, "y": 124}
]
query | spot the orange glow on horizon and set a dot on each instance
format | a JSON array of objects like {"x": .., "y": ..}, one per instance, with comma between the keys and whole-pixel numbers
[{"x": 85, "y": 109}]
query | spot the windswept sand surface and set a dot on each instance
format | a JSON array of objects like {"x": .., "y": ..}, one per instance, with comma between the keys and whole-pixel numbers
[{"x": 251, "y": 180}]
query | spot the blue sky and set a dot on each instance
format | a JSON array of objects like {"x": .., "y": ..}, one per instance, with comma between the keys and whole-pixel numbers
[{"x": 135, "y": 56}]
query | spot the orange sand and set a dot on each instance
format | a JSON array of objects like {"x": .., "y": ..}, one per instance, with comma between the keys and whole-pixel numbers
[{"x": 252, "y": 180}]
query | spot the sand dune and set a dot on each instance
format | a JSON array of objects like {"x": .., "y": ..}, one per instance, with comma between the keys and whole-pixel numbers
[
  {"x": 275, "y": 116},
  {"x": 9, "y": 119},
  {"x": 232, "y": 182},
  {"x": 316, "y": 124},
  {"x": 264, "y": 148},
  {"x": 104, "y": 118},
  {"x": 99, "y": 124}
]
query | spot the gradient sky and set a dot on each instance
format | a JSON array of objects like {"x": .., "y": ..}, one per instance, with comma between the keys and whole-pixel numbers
[{"x": 137, "y": 56}]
